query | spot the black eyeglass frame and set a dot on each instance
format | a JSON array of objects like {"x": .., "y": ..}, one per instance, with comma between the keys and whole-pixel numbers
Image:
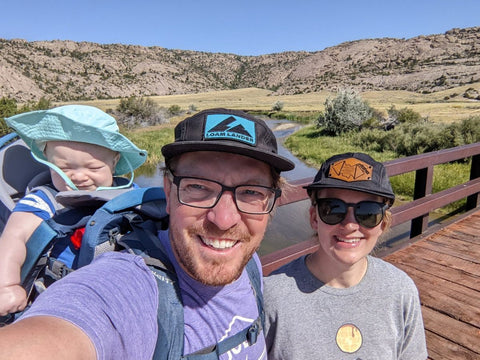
[
  {"x": 276, "y": 192},
  {"x": 383, "y": 207}
]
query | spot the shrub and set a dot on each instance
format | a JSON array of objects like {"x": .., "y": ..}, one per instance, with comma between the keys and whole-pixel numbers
[
  {"x": 141, "y": 107},
  {"x": 174, "y": 110},
  {"x": 346, "y": 112},
  {"x": 9, "y": 107},
  {"x": 469, "y": 130},
  {"x": 134, "y": 111},
  {"x": 404, "y": 115},
  {"x": 374, "y": 140},
  {"x": 278, "y": 106},
  {"x": 413, "y": 139}
]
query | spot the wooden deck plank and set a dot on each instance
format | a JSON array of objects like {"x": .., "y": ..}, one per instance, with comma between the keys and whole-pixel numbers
[
  {"x": 464, "y": 335},
  {"x": 446, "y": 269},
  {"x": 444, "y": 266},
  {"x": 449, "y": 247},
  {"x": 443, "y": 349},
  {"x": 449, "y": 298}
]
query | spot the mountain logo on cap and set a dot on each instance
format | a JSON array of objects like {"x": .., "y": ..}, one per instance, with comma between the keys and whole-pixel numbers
[
  {"x": 350, "y": 169},
  {"x": 226, "y": 126}
]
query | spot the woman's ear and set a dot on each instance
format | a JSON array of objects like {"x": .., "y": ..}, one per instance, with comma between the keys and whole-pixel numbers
[{"x": 313, "y": 217}]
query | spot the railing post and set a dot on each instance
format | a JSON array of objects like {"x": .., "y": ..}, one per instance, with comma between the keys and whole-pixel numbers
[
  {"x": 474, "y": 200},
  {"x": 423, "y": 187}
]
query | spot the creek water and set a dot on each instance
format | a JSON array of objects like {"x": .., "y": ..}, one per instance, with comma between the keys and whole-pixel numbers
[{"x": 289, "y": 224}]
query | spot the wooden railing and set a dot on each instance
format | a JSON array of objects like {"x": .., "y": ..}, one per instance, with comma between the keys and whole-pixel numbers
[{"x": 416, "y": 211}]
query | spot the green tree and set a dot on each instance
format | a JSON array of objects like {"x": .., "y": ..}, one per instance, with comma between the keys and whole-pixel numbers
[{"x": 8, "y": 107}]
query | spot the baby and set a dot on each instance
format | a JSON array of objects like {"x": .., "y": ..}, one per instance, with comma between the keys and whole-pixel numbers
[{"x": 84, "y": 149}]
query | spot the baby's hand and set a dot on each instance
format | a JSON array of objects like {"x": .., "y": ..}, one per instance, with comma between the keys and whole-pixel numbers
[{"x": 13, "y": 298}]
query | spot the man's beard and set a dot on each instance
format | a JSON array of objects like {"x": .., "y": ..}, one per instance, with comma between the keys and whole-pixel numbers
[{"x": 216, "y": 272}]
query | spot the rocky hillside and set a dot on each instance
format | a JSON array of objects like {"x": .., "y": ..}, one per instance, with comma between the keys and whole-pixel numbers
[{"x": 66, "y": 70}]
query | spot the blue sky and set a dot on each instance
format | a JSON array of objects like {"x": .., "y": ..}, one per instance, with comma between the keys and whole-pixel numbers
[{"x": 243, "y": 27}]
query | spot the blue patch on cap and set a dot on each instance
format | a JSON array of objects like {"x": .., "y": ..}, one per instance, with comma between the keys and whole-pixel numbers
[{"x": 226, "y": 126}]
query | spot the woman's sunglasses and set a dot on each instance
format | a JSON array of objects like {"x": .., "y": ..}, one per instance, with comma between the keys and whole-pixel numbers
[{"x": 367, "y": 213}]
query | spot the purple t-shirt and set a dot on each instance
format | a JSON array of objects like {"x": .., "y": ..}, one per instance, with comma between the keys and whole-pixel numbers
[
  {"x": 122, "y": 288},
  {"x": 212, "y": 313}
]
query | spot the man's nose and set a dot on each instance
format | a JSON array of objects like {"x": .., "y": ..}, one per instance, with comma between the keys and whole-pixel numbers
[{"x": 224, "y": 214}]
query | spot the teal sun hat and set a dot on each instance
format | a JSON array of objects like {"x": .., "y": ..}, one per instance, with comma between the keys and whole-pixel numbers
[{"x": 80, "y": 123}]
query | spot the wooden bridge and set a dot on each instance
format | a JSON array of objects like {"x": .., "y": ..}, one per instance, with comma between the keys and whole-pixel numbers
[{"x": 443, "y": 259}]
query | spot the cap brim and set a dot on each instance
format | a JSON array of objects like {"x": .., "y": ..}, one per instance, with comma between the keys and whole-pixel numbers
[
  {"x": 278, "y": 162},
  {"x": 311, "y": 187}
]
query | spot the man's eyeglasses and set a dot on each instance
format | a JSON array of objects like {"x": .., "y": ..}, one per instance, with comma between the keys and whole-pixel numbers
[
  {"x": 204, "y": 194},
  {"x": 367, "y": 213}
]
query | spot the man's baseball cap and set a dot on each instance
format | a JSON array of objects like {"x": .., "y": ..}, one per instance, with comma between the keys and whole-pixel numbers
[
  {"x": 353, "y": 171},
  {"x": 230, "y": 131}
]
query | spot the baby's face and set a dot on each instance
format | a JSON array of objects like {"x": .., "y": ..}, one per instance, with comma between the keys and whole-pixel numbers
[{"x": 88, "y": 166}]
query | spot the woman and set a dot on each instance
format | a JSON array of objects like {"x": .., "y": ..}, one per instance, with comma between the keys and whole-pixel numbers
[{"x": 339, "y": 302}]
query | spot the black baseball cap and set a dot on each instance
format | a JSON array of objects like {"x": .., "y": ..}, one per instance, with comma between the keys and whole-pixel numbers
[
  {"x": 230, "y": 131},
  {"x": 353, "y": 171}
]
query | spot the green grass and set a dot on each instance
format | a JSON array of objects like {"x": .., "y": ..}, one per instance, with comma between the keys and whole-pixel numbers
[
  {"x": 310, "y": 146},
  {"x": 151, "y": 140}
]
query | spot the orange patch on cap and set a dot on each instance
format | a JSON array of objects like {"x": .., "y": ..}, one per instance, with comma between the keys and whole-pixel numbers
[{"x": 350, "y": 169}]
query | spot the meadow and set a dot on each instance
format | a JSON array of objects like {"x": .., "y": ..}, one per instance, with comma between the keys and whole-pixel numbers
[{"x": 444, "y": 106}]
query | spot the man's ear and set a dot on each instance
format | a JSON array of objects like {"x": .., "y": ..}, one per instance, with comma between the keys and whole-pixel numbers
[
  {"x": 167, "y": 186},
  {"x": 313, "y": 217}
]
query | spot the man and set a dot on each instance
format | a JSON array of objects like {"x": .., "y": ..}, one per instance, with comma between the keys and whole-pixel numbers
[{"x": 221, "y": 182}]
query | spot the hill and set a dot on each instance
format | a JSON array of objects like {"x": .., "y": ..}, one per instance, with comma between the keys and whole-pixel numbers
[{"x": 70, "y": 71}]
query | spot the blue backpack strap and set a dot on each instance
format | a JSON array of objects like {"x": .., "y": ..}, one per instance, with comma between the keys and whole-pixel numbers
[
  {"x": 170, "y": 319},
  {"x": 134, "y": 198},
  {"x": 36, "y": 245},
  {"x": 256, "y": 281},
  {"x": 143, "y": 240},
  {"x": 6, "y": 138},
  {"x": 103, "y": 228},
  {"x": 42, "y": 247}
]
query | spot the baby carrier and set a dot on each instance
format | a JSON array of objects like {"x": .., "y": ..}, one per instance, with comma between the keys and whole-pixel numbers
[
  {"x": 19, "y": 171},
  {"x": 59, "y": 237},
  {"x": 130, "y": 221}
]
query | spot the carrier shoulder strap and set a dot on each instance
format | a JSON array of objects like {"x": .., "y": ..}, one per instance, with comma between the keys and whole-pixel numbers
[
  {"x": 104, "y": 227},
  {"x": 38, "y": 242},
  {"x": 143, "y": 240}
]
